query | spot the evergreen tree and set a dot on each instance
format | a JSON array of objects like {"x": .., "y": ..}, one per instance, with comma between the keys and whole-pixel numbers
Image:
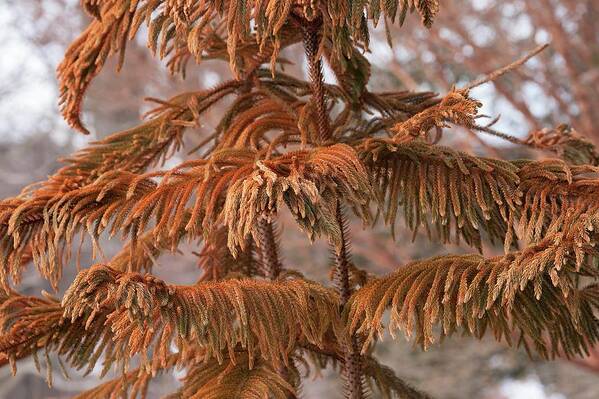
[{"x": 251, "y": 326}]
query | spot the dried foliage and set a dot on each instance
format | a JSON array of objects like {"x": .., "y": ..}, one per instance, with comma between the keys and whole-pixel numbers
[
  {"x": 471, "y": 195},
  {"x": 217, "y": 316},
  {"x": 133, "y": 314},
  {"x": 242, "y": 32},
  {"x": 566, "y": 144},
  {"x": 506, "y": 295},
  {"x": 234, "y": 379},
  {"x": 28, "y": 325},
  {"x": 456, "y": 107},
  {"x": 251, "y": 325}
]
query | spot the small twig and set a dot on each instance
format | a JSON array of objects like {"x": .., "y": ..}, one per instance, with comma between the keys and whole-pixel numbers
[
  {"x": 496, "y": 133},
  {"x": 502, "y": 71}
]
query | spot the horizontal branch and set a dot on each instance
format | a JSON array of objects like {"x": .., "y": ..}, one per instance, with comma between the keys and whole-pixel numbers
[
  {"x": 463, "y": 195},
  {"x": 190, "y": 200},
  {"x": 525, "y": 293},
  {"x": 131, "y": 314}
]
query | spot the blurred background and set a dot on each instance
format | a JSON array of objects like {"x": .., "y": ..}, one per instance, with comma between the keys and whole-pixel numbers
[{"x": 471, "y": 37}]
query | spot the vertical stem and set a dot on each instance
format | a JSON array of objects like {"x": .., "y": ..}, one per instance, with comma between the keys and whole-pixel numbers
[
  {"x": 311, "y": 33},
  {"x": 342, "y": 260},
  {"x": 352, "y": 368},
  {"x": 270, "y": 265},
  {"x": 269, "y": 252}
]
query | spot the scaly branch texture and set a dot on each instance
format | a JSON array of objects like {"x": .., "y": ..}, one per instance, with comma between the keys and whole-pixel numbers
[{"x": 253, "y": 326}]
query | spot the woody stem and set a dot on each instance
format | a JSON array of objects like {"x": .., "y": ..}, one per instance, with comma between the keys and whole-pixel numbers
[
  {"x": 352, "y": 360},
  {"x": 352, "y": 369},
  {"x": 311, "y": 32},
  {"x": 271, "y": 267},
  {"x": 269, "y": 251}
]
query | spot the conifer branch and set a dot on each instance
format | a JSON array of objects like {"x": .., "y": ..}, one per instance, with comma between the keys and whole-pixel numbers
[
  {"x": 26, "y": 326},
  {"x": 506, "y": 69},
  {"x": 119, "y": 309},
  {"x": 565, "y": 143},
  {"x": 472, "y": 294},
  {"x": 217, "y": 187},
  {"x": 456, "y": 191}
]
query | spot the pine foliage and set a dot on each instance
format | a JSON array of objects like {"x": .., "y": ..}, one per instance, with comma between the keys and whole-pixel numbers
[
  {"x": 472, "y": 294},
  {"x": 469, "y": 195},
  {"x": 144, "y": 314},
  {"x": 234, "y": 380},
  {"x": 252, "y": 326}
]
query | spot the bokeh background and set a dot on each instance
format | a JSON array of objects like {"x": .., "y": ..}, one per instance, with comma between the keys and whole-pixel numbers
[{"x": 471, "y": 37}]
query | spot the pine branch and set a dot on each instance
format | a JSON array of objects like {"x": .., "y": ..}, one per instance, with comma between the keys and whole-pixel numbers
[
  {"x": 243, "y": 315},
  {"x": 66, "y": 213},
  {"x": 216, "y": 187},
  {"x": 456, "y": 191},
  {"x": 456, "y": 107},
  {"x": 133, "y": 151},
  {"x": 475, "y": 295},
  {"x": 506, "y": 69},
  {"x": 27, "y": 324},
  {"x": 134, "y": 314},
  {"x": 565, "y": 143}
]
